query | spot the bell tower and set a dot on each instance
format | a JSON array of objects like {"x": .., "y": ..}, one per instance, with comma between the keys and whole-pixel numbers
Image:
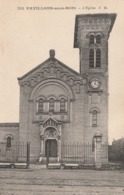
[{"x": 91, "y": 37}]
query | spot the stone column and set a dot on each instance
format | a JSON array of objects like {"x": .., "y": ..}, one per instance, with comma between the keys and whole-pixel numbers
[
  {"x": 42, "y": 150},
  {"x": 59, "y": 150},
  {"x": 98, "y": 149}
]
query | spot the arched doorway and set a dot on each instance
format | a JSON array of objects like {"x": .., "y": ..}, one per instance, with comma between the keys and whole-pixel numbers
[
  {"x": 50, "y": 141},
  {"x": 51, "y": 148}
]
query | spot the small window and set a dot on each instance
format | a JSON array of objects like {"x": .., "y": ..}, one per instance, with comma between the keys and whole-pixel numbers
[
  {"x": 98, "y": 39},
  {"x": 94, "y": 118},
  {"x": 62, "y": 105},
  {"x": 91, "y": 58},
  {"x": 9, "y": 142},
  {"x": 91, "y": 39},
  {"x": 40, "y": 105},
  {"x": 98, "y": 58},
  {"x": 51, "y": 105}
]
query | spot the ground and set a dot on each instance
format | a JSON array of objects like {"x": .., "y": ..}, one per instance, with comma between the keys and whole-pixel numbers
[{"x": 40, "y": 181}]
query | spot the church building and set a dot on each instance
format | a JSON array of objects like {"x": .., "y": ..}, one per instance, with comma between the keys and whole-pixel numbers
[{"x": 59, "y": 105}]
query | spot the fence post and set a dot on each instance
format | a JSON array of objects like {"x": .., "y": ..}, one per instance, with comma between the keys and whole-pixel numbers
[
  {"x": 98, "y": 149},
  {"x": 28, "y": 154}
]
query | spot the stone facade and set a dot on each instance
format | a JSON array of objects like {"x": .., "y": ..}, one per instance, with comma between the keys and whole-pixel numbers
[
  {"x": 59, "y": 105},
  {"x": 9, "y": 130}
]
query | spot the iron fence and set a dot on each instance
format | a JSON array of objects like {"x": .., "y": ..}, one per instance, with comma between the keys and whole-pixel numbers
[
  {"x": 17, "y": 153},
  {"x": 77, "y": 153},
  {"x": 81, "y": 153}
]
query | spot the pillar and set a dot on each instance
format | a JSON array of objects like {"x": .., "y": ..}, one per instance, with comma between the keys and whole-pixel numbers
[
  {"x": 98, "y": 149},
  {"x": 42, "y": 150},
  {"x": 59, "y": 150}
]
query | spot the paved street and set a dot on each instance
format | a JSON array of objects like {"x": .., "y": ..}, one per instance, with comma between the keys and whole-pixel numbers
[{"x": 37, "y": 181}]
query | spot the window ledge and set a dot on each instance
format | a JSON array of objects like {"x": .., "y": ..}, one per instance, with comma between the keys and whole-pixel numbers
[
  {"x": 95, "y": 67},
  {"x": 54, "y": 113},
  {"x": 94, "y": 44}
]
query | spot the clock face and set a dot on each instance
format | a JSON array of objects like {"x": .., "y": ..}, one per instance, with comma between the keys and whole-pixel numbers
[{"x": 95, "y": 83}]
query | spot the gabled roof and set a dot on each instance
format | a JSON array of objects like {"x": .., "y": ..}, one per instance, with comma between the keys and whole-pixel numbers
[
  {"x": 52, "y": 60},
  {"x": 37, "y": 67},
  {"x": 50, "y": 119}
]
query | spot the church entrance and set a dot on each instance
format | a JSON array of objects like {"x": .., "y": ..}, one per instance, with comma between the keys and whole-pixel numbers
[
  {"x": 51, "y": 148},
  {"x": 50, "y": 134}
]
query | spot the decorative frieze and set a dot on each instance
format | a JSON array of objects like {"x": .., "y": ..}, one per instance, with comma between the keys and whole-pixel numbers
[
  {"x": 92, "y": 23},
  {"x": 71, "y": 81},
  {"x": 77, "y": 87},
  {"x": 56, "y": 73},
  {"x": 52, "y": 71},
  {"x": 53, "y": 131},
  {"x": 64, "y": 76},
  {"x": 32, "y": 82},
  {"x": 39, "y": 76},
  {"x": 45, "y": 73}
]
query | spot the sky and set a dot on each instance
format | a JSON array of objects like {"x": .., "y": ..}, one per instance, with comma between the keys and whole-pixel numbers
[{"x": 26, "y": 36}]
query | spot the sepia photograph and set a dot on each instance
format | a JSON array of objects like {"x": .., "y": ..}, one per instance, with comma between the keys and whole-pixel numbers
[{"x": 62, "y": 97}]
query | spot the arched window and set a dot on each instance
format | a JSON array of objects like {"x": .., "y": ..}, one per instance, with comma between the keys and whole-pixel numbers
[
  {"x": 98, "y": 39},
  {"x": 9, "y": 142},
  {"x": 40, "y": 105},
  {"x": 91, "y": 39},
  {"x": 94, "y": 118},
  {"x": 98, "y": 58},
  {"x": 51, "y": 105},
  {"x": 91, "y": 58},
  {"x": 62, "y": 105}
]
